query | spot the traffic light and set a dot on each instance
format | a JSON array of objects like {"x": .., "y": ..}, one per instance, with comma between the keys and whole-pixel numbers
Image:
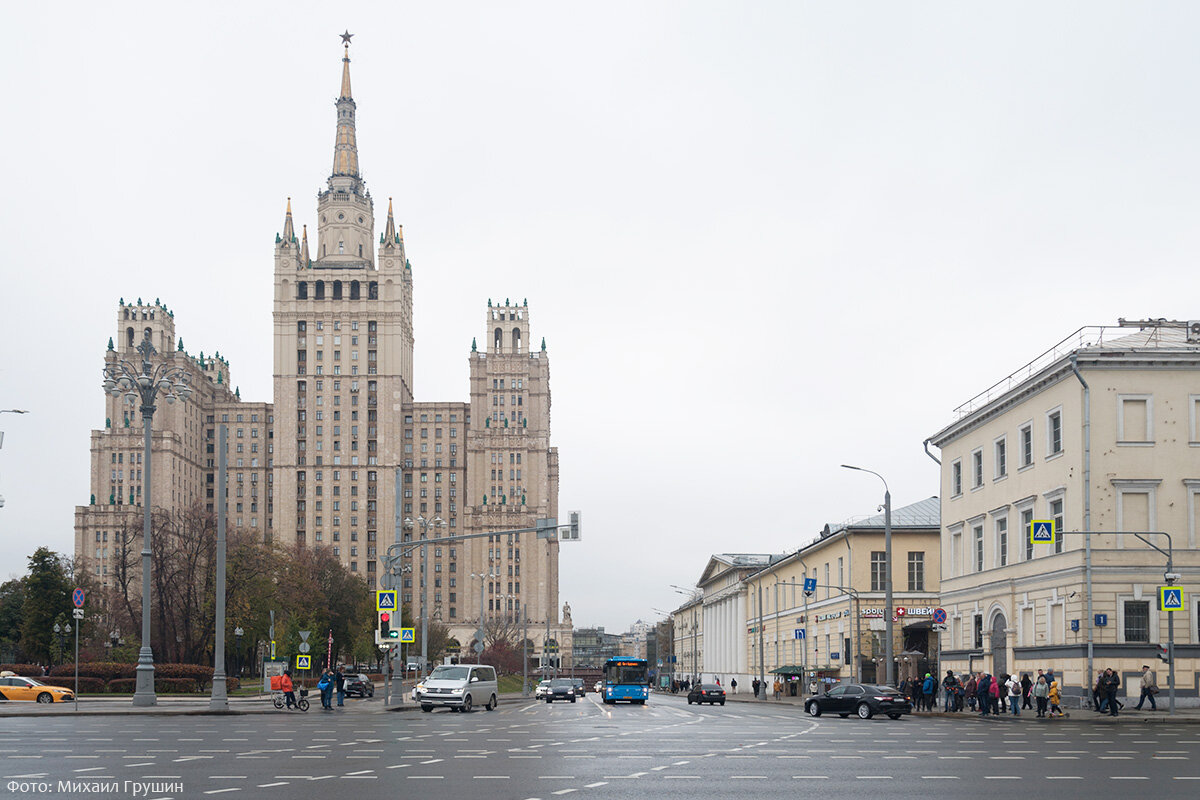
[
  {"x": 385, "y": 625},
  {"x": 1164, "y": 653}
]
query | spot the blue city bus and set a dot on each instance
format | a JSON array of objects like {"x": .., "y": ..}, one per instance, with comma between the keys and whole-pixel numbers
[{"x": 626, "y": 679}]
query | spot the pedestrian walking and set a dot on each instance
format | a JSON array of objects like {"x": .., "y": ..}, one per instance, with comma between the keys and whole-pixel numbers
[
  {"x": 970, "y": 690},
  {"x": 1149, "y": 688},
  {"x": 1098, "y": 692},
  {"x": 341, "y": 684},
  {"x": 1026, "y": 690},
  {"x": 733, "y": 684},
  {"x": 756, "y": 685},
  {"x": 1014, "y": 695},
  {"x": 1041, "y": 694},
  {"x": 1054, "y": 698},
  {"x": 778, "y": 687},
  {"x": 1110, "y": 683},
  {"x": 927, "y": 688}
]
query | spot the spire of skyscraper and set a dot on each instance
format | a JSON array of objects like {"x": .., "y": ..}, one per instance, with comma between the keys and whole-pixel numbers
[{"x": 345, "y": 151}]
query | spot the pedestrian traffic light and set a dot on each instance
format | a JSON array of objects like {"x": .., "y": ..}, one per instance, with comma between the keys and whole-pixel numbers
[
  {"x": 385, "y": 625},
  {"x": 1164, "y": 653}
]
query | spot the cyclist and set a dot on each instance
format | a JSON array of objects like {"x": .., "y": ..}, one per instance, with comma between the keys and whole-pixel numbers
[{"x": 286, "y": 686}]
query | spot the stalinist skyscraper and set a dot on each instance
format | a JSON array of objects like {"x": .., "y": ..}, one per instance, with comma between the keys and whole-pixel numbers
[
  {"x": 343, "y": 444},
  {"x": 350, "y": 438}
]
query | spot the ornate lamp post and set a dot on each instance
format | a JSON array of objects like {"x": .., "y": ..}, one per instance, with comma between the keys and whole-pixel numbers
[{"x": 144, "y": 385}]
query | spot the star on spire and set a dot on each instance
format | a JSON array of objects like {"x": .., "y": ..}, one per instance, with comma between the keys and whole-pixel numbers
[{"x": 346, "y": 37}]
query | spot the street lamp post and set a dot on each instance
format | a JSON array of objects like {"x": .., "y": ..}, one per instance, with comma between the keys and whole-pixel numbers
[
  {"x": 144, "y": 384},
  {"x": 237, "y": 662},
  {"x": 483, "y": 578},
  {"x": 424, "y": 525},
  {"x": 887, "y": 574}
]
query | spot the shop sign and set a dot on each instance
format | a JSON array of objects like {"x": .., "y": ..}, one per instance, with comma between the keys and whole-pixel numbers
[
  {"x": 831, "y": 615},
  {"x": 900, "y": 611}
]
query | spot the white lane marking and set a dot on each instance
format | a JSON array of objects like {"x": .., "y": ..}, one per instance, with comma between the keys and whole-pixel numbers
[
  {"x": 425, "y": 777},
  {"x": 491, "y": 777},
  {"x": 1002, "y": 777},
  {"x": 1064, "y": 778},
  {"x": 1128, "y": 778},
  {"x": 594, "y": 785},
  {"x": 219, "y": 791},
  {"x": 940, "y": 777},
  {"x": 268, "y": 785},
  {"x": 811, "y": 777}
]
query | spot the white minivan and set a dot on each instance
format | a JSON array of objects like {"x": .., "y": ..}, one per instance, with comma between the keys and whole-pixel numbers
[{"x": 459, "y": 686}]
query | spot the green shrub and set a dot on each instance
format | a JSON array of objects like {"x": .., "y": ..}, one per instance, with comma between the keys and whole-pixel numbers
[
  {"x": 87, "y": 684},
  {"x": 24, "y": 670}
]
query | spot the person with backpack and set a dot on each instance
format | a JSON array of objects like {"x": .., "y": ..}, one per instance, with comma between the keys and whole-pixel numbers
[{"x": 1014, "y": 695}]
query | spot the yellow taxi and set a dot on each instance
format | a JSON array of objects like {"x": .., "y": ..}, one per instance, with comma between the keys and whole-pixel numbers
[{"x": 14, "y": 687}]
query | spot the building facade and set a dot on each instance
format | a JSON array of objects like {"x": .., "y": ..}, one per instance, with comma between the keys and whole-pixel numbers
[
  {"x": 838, "y": 633},
  {"x": 1100, "y": 436}
]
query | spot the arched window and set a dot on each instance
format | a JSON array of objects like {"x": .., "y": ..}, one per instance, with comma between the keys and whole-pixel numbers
[
  {"x": 373, "y": 290},
  {"x": 353, "y": 290},
  {"x": 337, "y": 290},
  {"x": 129, "y": 342},
  {"x": 516, "y": 340},
  {"x": 319, "y": 292},
  {"x": 302, "y": 290},
  {"x": 497, "y": 339},
  {"x": 146, "y": 333}
]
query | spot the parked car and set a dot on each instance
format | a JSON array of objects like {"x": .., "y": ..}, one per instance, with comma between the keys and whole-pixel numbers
[
  {"x": 561, "y": 689},
  {"x": 863, "y": 699},
  {"x": 359, "y": 685},
  {"x": 706, "y": 693},
  {"x": 542, "y": 690},
  {"x": 14, "y": 687},
  {"x": 580, "y": 689}
]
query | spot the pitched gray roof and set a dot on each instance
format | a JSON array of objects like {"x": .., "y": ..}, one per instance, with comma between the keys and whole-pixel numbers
[{"x": 925, "y": 513}]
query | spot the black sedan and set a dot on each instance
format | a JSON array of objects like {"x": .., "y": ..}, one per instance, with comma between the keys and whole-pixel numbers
[
  {"x": 864, "y": 699},
  {"x": 706, "y": 693},
  {"x": 360, "y": 685},
  {"x": 561, "y": 689},
  {"x": 579, "y": 687}
]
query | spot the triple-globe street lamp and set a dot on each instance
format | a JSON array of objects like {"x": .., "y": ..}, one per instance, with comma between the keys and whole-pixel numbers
[{"x": 144, "y": 385}]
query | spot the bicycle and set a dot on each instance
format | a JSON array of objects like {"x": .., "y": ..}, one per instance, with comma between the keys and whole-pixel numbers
[{"x": 278, "y": 699}]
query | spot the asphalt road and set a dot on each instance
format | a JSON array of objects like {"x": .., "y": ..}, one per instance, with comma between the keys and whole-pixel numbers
[{"x": 665, "y": 749}]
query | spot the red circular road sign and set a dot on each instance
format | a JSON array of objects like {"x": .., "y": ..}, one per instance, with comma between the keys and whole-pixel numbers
[
  {"x": 939, "y": 616},
  {"x": 77, "y": 597}
]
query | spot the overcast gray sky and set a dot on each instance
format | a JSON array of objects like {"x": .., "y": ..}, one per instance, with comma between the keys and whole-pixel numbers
[{"x": 760, "y": 239}]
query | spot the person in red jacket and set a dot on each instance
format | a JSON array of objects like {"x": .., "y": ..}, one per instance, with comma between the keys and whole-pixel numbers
[{"x": 286, "y": 685}]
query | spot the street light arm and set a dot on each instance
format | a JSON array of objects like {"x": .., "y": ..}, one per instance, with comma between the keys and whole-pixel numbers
[{"x": 873, "y": 472}]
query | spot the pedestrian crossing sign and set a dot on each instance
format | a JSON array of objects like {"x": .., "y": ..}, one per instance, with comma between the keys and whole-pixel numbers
[
  {"x": 303, "y": 662},
  {"x": 1170, "y": 598},
  {"x": 1041, "y": 531},
  {"x": 408, "y": 635},
  {"x": 385, "y": 599}
]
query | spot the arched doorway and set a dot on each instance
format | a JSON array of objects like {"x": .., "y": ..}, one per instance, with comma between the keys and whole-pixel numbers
[{"x": 999, "y": 644}]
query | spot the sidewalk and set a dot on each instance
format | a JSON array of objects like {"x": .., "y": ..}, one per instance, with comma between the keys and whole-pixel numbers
[
  {"x": 1129, "y": 715},
  {"x": 109, "y": 706}
]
